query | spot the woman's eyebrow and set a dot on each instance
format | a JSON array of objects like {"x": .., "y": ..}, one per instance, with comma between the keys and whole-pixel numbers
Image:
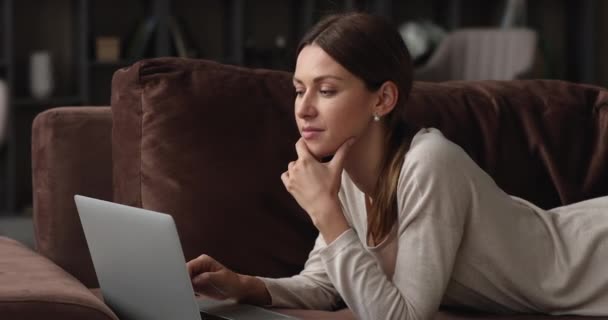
[{"x": 319, "y": 78}]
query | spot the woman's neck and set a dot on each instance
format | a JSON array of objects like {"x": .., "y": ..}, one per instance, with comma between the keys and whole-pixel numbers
[{"x": 364, "y": 160}]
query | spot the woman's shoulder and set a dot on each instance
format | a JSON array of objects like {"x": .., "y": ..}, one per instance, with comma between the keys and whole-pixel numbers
[
  {"x": 434, "y": 167},
  {"x": 432, "y": 156},
  {"x": 429, "y": 144}
]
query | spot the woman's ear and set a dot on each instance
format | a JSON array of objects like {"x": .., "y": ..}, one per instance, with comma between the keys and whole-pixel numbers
[{"x": 388, "y": 94}]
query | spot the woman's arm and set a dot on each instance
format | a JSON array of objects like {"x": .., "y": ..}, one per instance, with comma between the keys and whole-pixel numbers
[{"x": 311, "y": 289}]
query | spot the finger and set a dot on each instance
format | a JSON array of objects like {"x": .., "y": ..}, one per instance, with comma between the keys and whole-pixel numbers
[
  {"x": 202, "y": 264},
  {"x": 338, "y": 160},
  {"x": 285, "y": 179},
  {"x": 302, "y": 150},
  {"x": 191, "y": 266},
  {"x": 290, "y": 165},
  {"x": 206, "y": 284}
]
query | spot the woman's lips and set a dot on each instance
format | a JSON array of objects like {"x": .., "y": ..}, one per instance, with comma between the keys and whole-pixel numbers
[{"x": 311, "y": 133}]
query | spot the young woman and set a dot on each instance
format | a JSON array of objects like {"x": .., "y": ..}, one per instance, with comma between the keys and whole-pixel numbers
[{"x": 407, "y": 221}]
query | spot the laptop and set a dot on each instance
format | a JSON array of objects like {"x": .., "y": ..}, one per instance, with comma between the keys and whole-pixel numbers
[{"x": 141, "y": 268}]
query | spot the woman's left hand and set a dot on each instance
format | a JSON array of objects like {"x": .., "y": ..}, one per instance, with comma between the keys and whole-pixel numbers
[{"x": 315, "y": 185}]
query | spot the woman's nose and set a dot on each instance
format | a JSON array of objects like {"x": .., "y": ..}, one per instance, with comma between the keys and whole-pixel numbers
[{"x": 305, "y": 107}]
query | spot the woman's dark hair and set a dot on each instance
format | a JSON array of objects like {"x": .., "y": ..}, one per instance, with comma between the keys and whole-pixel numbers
[{"x": 372, "y": 49}]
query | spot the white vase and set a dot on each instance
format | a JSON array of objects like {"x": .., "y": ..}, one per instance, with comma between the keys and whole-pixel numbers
[{"x": 41, "y": 74}]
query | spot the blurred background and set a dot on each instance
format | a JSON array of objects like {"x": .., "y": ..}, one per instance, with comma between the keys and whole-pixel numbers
[{"x": 64, "y": 52}]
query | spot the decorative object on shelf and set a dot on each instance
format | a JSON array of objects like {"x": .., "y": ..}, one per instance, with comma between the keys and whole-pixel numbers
[
  {"x": 482, "y": 54},
  {"x": 41, "y": 74},
  {"x": 3, "y": 111},
  {"x": 421, "y": 38},
  {"x": 108, "y": 48},
  {"x": 515, "y": 14}
]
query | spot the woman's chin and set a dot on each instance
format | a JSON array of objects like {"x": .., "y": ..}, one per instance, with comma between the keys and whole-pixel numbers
[{"x": 319, "y": 152}]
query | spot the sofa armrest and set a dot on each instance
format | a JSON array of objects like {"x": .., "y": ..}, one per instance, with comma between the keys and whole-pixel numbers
[
  {"x": 35, "y": 288},
  {"x": 71, "y": 154}
]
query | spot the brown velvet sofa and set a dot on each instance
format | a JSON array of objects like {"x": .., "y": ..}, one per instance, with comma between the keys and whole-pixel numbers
[{"x": 207, "y": 143}]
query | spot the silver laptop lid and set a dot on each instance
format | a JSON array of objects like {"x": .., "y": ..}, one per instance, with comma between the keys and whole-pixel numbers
[{"x": 138, "y": 260}]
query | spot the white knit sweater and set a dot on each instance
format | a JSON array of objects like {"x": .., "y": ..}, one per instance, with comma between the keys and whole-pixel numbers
[{"x": 460, "y": 240}]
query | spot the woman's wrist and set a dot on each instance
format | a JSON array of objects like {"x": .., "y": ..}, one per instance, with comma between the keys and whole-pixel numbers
[
  {"x": 253, "y": 291},
  {"x": 331, "y": 223},
  {"x": 323, "y": 210}
]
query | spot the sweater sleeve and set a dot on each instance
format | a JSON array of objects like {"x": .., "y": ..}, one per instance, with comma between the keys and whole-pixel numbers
[
  {"x": 432, "y": 201},
  {"x": 311, "y": 289}
]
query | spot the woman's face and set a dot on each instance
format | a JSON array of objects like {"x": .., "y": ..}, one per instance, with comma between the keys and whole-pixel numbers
[{"x": 332, "y": 105}]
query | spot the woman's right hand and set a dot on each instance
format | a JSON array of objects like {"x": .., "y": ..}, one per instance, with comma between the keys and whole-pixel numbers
[{"x": 212, "y": 279}]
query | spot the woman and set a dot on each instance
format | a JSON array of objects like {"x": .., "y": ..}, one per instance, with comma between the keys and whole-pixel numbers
[{"x": 407, "y": 221}]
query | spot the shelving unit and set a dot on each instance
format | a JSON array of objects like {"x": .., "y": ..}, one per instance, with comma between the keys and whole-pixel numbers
[{"x": 7, "y": 151}]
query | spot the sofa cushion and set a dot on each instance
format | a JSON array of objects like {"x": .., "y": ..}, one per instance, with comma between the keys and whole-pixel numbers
[
  {"x": 33, "y": 288},
  {"x": 207, "y": 143}
]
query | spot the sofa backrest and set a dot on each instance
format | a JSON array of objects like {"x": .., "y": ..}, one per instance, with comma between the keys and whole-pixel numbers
[
  {"x": 208, "y": 142},
  {"x": 543, "y": 140}
]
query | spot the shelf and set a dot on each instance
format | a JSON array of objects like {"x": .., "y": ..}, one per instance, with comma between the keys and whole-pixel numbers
[{"x": 50, "y": 102}]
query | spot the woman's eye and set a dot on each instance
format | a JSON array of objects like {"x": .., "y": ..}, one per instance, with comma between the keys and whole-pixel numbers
[
  {"x": 327, "y": 93},
  {"x": 299, "y": 92}
]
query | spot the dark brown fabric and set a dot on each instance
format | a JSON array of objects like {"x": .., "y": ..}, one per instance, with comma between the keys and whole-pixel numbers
[
  {"x": 207, "y": 143},
  {"x": 34, "y": 288},
  {"x": 545, "y": 141},
  {"x": 71, "y": 154}
]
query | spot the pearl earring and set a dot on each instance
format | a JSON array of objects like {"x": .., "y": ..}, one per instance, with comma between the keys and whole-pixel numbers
[{"x": 376, "y": 117}]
